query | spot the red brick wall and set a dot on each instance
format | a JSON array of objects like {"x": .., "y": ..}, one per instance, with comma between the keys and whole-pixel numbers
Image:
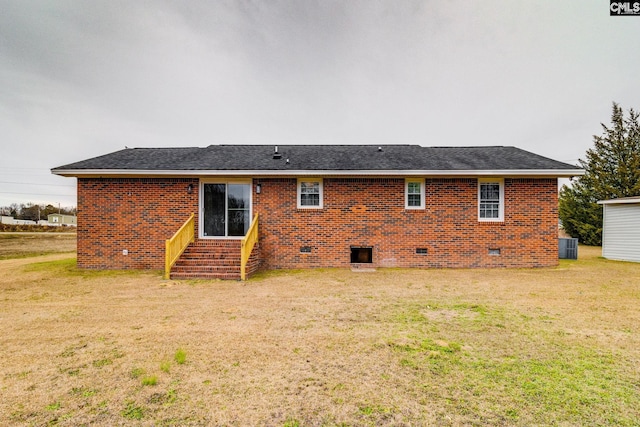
[
  {"x": 370, "y": 213},
  {"x": 140, "y": 214},
  {"x": 133, "y": 214}
]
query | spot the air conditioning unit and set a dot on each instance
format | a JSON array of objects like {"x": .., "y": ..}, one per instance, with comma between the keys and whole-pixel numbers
[{"x": 567, "y": 248}]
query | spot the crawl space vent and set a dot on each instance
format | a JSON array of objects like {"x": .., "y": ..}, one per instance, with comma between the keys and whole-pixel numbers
[{"x": 361, "y": 255}]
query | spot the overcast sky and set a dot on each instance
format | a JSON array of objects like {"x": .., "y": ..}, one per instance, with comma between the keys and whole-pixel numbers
[{"x": 83, "y": 78}]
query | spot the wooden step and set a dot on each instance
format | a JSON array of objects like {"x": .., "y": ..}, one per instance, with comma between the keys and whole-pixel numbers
[
  {"x": 205, "y": 276},
  {"x": 197, "y": 262},
  {"x": 209, "y": 259}
]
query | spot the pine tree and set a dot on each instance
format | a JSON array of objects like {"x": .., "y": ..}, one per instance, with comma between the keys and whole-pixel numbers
[{"x": 612, "y": 170}]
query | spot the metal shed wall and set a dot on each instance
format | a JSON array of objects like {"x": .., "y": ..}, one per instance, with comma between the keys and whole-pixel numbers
[{"x": 621, "y": 232}]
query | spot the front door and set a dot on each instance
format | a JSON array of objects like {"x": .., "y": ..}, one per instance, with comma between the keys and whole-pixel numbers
[{"x": 226, "y": 209}]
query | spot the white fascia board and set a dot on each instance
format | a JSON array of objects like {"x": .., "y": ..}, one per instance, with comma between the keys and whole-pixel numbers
[
  {"x": 621, "y": 201},
  {"x": 559, "y": 173}
]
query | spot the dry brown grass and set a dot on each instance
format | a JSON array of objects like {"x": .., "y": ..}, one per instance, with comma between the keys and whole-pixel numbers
[
  {"x": 327, "y": 347},
  {"x": 27, "y": 244}
]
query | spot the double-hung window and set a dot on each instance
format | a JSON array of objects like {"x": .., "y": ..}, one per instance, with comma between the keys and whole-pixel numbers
[
  {"x": 310, "y": 193},
  {"x": 414, "y": 193},
  {"x": 490, "y": 199}
]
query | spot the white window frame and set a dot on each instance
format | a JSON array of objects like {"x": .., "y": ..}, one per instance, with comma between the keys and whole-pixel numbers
[
  {"x": 320, "y": 191},
  {"x": 500, "y": 182},
  {"x": 408, "y": 181}
]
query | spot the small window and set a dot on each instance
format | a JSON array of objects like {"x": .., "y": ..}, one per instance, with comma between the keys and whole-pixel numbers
[
  {"x": 361, "y": 255},
  {"x": 305, "y": 249},
  {"x": 422, "y": 251},
  {"x": 310, "y": 193},
  {"x": 414, "y": 194},
  {"x": 494, "y": 251},
  {"x": 490, "y": 200}
]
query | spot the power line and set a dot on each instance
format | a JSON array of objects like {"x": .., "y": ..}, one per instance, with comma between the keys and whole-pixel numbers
[
  {"x": 15, "y": 167},
  {"x": 4, "y": 172},
  {"x": 33, "y": 183},
  {"x": 37, "y": 194}
]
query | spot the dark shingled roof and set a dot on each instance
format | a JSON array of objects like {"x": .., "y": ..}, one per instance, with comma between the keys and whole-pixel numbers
[{"x": 318, "y": 158}]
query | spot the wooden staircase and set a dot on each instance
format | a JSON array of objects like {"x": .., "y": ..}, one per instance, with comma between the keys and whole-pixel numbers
[{"x": 209, "y": 259}]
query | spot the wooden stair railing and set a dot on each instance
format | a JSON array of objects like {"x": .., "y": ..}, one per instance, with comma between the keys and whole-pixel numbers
[
  {"x": 175, "y": 246},
  {"x": 248, "y": 242}
]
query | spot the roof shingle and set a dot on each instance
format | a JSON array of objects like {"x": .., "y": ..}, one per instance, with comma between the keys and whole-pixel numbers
[{"x": 318, "y": 158}]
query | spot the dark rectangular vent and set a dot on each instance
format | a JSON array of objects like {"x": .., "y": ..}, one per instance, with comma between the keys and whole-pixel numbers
[
  {"x": 361, "y": 255},
  {"x": 305, "y": 249},
  {"x": 421, "y": 251}
]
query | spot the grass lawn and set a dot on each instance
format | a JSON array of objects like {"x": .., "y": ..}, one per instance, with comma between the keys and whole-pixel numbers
[
  {"x": 26, "y": 244},
  {"x": 558, "y": 346}
]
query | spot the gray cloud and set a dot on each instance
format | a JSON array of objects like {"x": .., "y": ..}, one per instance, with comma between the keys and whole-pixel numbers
[{"x": 86, "y": 78}]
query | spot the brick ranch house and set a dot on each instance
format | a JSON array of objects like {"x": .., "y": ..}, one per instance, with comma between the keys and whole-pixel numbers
[{"x": 318, "y": 206}]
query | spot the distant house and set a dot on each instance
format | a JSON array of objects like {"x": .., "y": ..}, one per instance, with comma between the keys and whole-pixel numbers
[
  {"x": 9, "y": 220},
  {"x": 22, "y": 222},
  {"x": 318, "y": 206},
  {"x": 59, "y": 219},
  {"x": 621, "y": 229}
]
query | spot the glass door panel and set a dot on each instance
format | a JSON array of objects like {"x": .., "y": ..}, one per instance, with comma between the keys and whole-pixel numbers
[
  {"x": 214, "y": 209},
  {"x": 238, "y": 203}
]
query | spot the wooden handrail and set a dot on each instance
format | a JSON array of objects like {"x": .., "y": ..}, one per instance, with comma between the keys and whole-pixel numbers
[
  {"x": 246, "y": 246},
  {"x": 175, "y": 246}
]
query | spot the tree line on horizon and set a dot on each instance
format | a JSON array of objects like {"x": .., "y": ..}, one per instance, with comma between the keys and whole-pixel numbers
[{"x": 35, "y": 212}]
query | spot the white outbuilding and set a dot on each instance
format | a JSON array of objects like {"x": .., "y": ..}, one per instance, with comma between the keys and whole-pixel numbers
[{"x": 621, "y": 229}]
